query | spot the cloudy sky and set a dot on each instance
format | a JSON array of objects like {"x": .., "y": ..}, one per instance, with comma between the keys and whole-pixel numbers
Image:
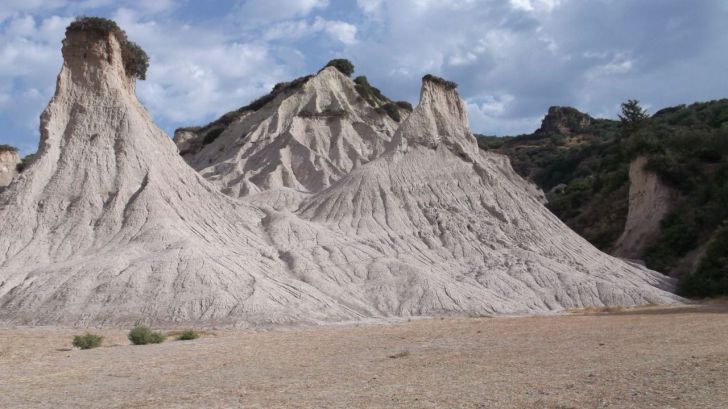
[{"x": 512, "y": 58}]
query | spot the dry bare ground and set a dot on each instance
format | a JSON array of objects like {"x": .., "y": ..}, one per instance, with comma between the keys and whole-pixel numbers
[{"x": 656, "y": 357}]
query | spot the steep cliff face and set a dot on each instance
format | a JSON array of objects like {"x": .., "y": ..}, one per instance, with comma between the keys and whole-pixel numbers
[
  {"x": 307, "y": 136},
  {"x": 110, "y": 226},
  {"x": 650, "y": 200},
  {"x": 9, "y": 161}
]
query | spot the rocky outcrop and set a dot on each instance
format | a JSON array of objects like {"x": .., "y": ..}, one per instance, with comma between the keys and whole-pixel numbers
[
  {"x": 110, "y": 226},
  {"x": 650, "y": 201},
  {"x": 564, "y": 120},
  {"x": 9, "y": 161},
  {"x": 305, "y": 136}
]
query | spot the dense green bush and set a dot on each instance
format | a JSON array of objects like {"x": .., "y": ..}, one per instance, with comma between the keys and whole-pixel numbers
[
  {"x": 711, "y": 278},
  {"x": 136, "y": 61},
  {"x": 404, "y": 105},
  {"x": 390, "y": 109},
  {"x": 188, "y": 335},
  {"x": 371, "y": 94},
  {"x": 87, "y": 341},
  {"x": 88, "y": 23},
  {"x": 141, "y": 335},
  {"x": 211, "y": 135},
  {"x": 25, "y": 162},
  {"x": 343, "y": 65},
  {"x": 8, "y": 148}
]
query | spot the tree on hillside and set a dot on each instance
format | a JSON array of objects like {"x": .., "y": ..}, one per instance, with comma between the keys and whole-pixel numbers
[{"x": 633, "y": 116}]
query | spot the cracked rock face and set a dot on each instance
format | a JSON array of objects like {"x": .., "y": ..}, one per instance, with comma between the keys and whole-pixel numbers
[
  {"x": 110, "y": 226},
  {"x": 9, "y": 161},
  {"x": 650, "y": 200}
]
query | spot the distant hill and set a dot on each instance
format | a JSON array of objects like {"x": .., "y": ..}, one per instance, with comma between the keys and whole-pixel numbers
[{"x": 583, "y": 165}]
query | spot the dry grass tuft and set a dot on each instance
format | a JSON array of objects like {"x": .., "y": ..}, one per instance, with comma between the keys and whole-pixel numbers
[
  {"x": 597, "y": 310},
  {"x": 401, "y": 354}
]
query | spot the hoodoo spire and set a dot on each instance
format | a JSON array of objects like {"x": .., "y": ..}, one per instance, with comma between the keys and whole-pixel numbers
[{"x": 439, "y": 118}]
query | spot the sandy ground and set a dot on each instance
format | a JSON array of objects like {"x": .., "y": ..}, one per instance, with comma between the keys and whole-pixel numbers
[{"x": 649, "y": 358}]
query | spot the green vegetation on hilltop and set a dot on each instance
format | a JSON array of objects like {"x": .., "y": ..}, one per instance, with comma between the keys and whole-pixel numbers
[
  {"x": 371, "y": 94},
  {"x": 343, "y": 65},
  {"x": 687, "y": 146},
  {"x": 584, "y": 172},
  {"x": 438, "y": 80},
  {"x": 374, "y": 97},
  {"x": 7, "y": 148},
  {"x": 136, "y": 61}
]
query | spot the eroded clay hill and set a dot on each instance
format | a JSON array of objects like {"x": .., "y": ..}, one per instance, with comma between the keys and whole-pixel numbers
[
  {"x": 304, "y": 135},
  {"x": 110, "y": 226}
]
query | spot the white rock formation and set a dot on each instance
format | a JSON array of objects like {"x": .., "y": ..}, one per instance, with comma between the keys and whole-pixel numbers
[
  {"x": 435, "y": 224},
  {"x": 650, "y": 200},
  {"x": 109, "y": 226},
  {"x": 9, "y": 161},
  {"x": 307, "y": 137}
]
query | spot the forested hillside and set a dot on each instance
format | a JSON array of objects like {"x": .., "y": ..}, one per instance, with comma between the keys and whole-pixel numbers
[{"x": 583, "y": 163}]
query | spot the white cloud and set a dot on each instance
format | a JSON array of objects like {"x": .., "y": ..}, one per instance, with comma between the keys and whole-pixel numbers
[
  {"x": 489, "y": 117},
  {"x": 512, "y": 59},
  {"x": 287, "y": 30},
  {"x": 267, "y": 10},
  {"x": 618, "y": 63},
  {"x": 293, "y": 30},
  {"x": 29, "y": 62},
  {"x": 536, "y": 5},
  {"x": 9, "y": 8},
  {"x": 370, "y": 7},
  {"x": 197, "y": 72},
  {"x": 338, "y": 30}
]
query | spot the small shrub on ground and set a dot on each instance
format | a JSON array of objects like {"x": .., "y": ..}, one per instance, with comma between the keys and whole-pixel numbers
[
  {"x": 142, "y": 335},
  {"x": 401, "y": 354},
  {"x": 87, "y": 341},
  {"x": 188, "y": 335}
]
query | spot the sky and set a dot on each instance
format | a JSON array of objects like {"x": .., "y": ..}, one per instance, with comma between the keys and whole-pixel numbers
[{"x": 512, "y": 59}]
